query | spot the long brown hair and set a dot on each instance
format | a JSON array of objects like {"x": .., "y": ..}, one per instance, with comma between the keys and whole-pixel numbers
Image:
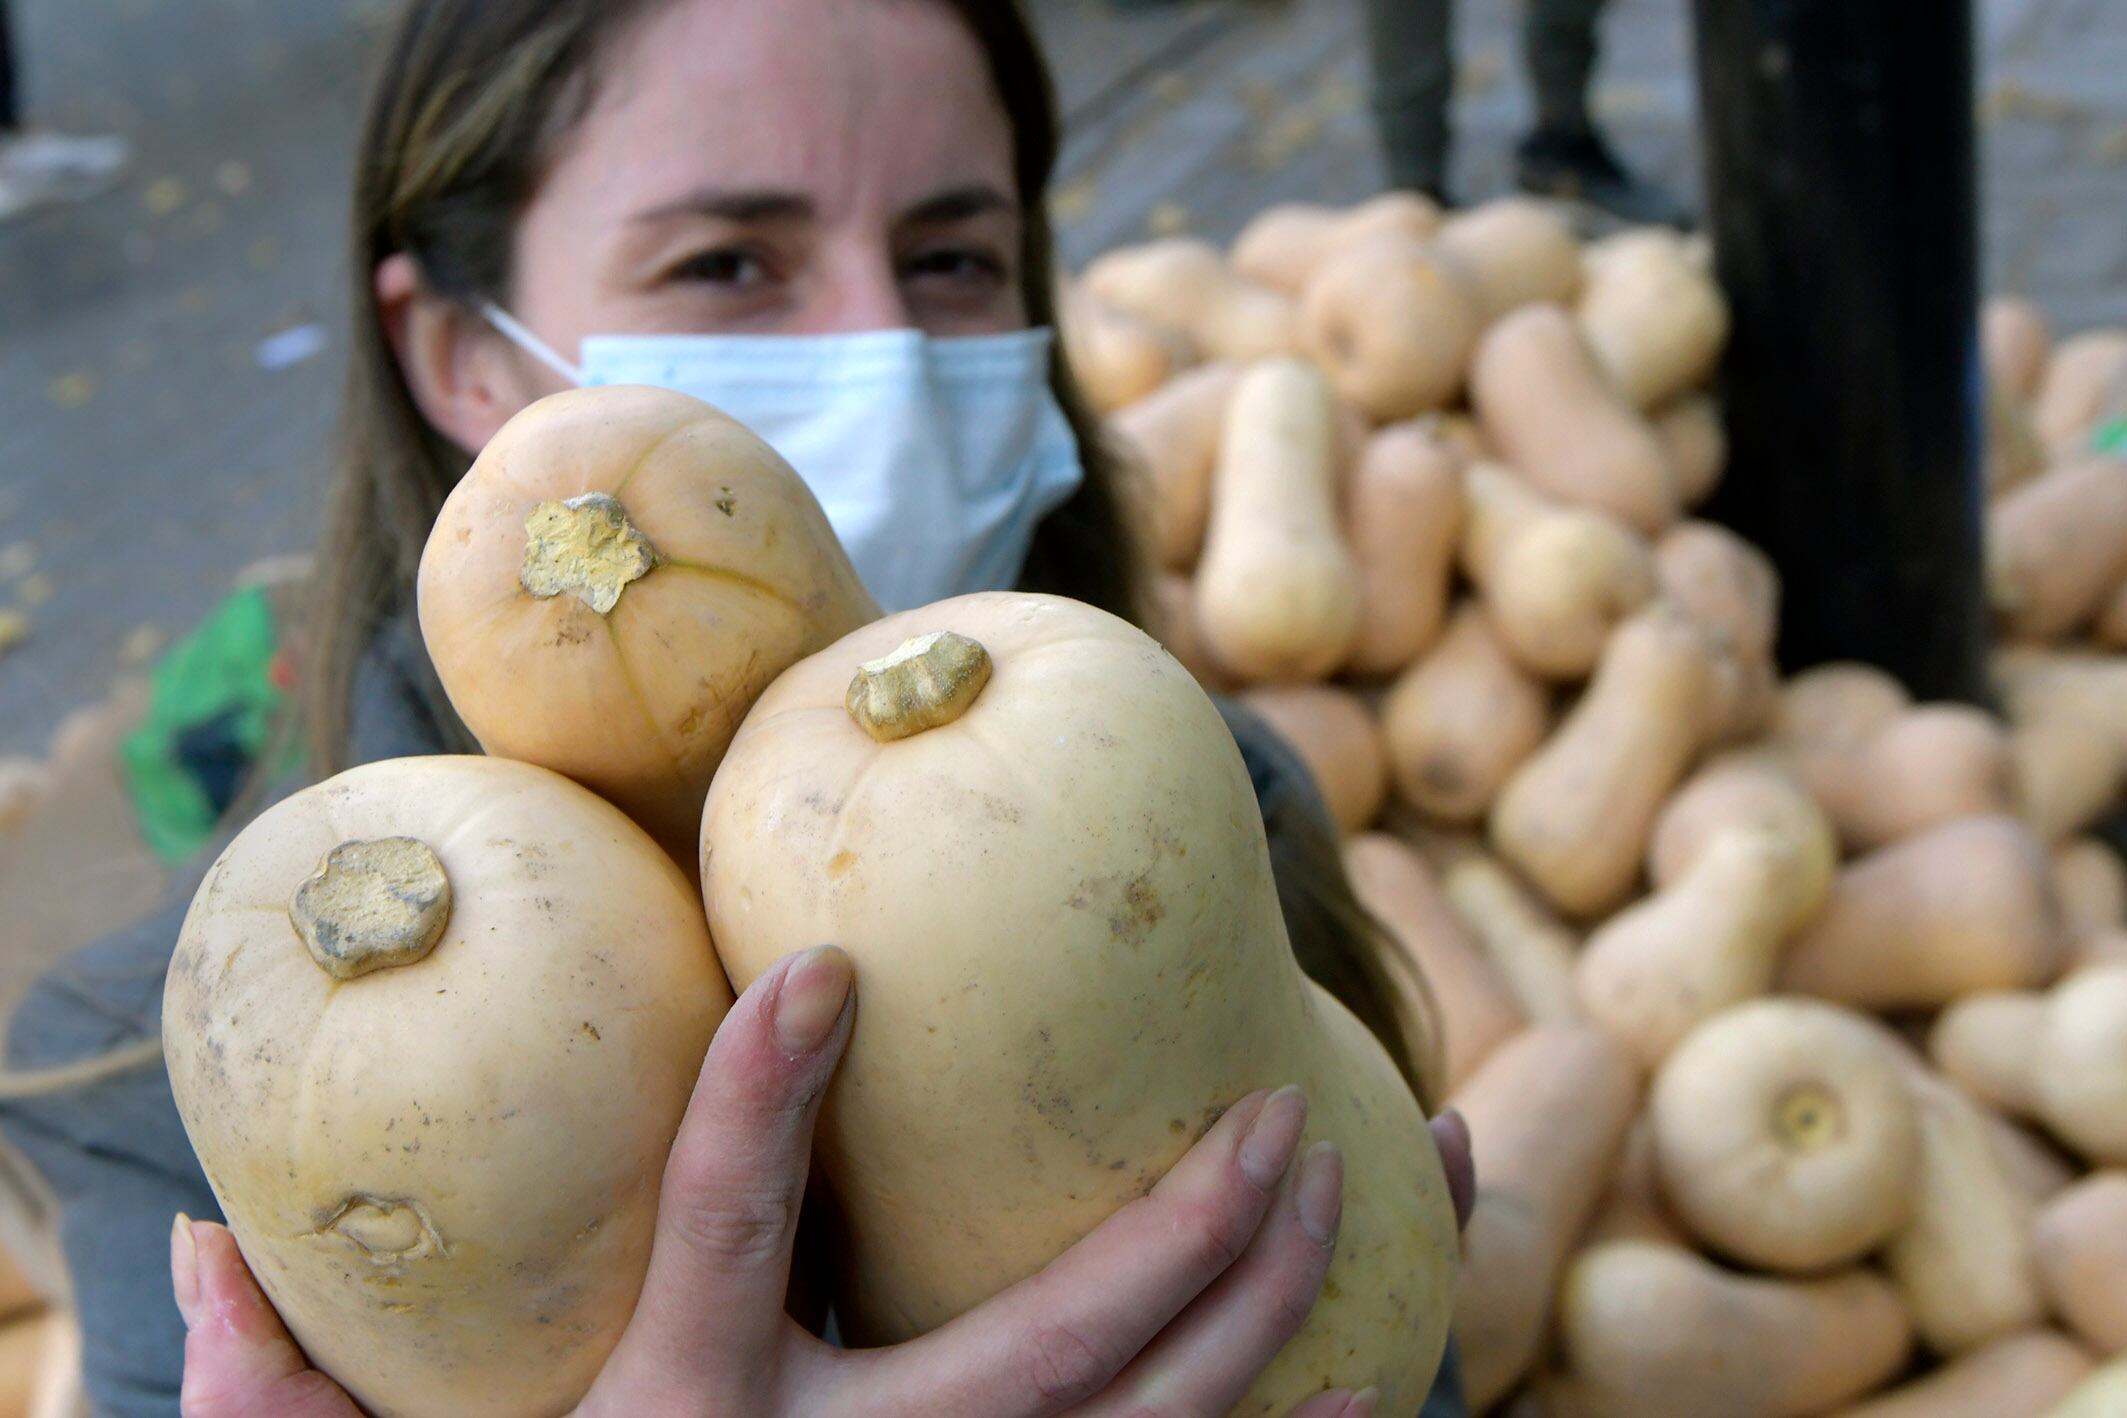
[{"x": 472, "y": 98}]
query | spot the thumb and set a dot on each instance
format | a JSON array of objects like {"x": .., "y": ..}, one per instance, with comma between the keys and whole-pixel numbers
[{"x": 240, "y": 1361}]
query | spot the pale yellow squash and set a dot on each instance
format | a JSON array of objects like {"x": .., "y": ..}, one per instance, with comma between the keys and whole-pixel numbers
[
  {"x": 621, "y": 571},
  {"x": 1786, "y": 1136},
  {"x": 1278, "y": 591},
  {"x": 431, "y": 1026},
  {"x": 1651, "y": 1329},
  {"x": 1045, "y": 855}
]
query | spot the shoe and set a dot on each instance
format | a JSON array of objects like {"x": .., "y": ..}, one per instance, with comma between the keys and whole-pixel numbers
[
  {"x": 1579, "y": 166},
  {"x": 40, "y": 169}
]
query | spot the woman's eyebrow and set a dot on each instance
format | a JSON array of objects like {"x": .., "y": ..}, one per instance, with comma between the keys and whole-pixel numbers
[
  {"x": 757, "y": 205},
  {"x": 957, "y": 204}
]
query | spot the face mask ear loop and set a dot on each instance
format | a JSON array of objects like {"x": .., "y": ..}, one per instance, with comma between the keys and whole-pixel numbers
[{"x": 530, "y": 343}]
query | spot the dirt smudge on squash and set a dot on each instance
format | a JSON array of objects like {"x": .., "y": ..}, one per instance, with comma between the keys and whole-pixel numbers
[{"x": 1133, "y": 908}]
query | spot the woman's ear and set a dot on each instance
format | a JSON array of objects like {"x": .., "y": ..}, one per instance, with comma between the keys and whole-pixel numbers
[{"x": 457, "y": 368}]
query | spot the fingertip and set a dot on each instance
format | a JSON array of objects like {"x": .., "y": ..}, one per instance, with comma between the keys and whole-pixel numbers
[
  {"x": 228, "y": 1294},
  {"x": 1363, "y": 1403},
  {"x": 811, "y": 998},
  {"x": 184, "y": 1268},
  {"x": 1451, "y": 1135},
  {"x": 1457, "y": 1125},
  {"x": 1267, "y": 1146},
  {"x": 1320, "y": 1192}
]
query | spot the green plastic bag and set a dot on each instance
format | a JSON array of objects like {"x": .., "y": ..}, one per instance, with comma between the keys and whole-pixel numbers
[{"x": 214, "y": 701}]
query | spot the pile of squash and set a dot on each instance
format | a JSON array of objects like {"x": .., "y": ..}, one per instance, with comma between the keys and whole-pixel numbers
[{"x": 1790, "y": 1018}]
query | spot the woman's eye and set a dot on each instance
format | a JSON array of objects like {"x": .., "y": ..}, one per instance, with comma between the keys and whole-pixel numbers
[
  {"x": 957, "y": 264},
  {"x": 725, "y": 266}
]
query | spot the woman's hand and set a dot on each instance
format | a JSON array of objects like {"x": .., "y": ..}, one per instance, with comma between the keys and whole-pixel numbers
[{"x": 1172, "y": 1307}]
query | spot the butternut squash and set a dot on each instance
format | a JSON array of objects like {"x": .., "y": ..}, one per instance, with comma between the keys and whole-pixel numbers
[
  {"x": 1464, "y": 435},
  {"x": 1284, "y": 245},
  {"x": 1116, "y": 358},
  {"x": 1925, "y": 766},
  {"x": 2025, "y": 1372},
  {"x": 1403, "y": 516},
  {"x": 59, "y": 1391},
  {"x": 1647, "y": 1328},
  {"x": 1964, "y": 906},
  {"x": 1339, "y": 741},
  {"x": 2044, "y": 684},
  {"x": 19, "y": 1294},
  {"x": 2103, "y": 948},
  {"x": 619, "y": 574},
  {"x": 1185, "y": 285},
  {"x": 1173, "y": 433},
  {"x": 23, "y": 1342},
  {"x": 1709, "y": 940},
  {"x": 1278, "y": 593},
  {"x": 2091, "y": 881},
  {"x": 1175, "y": 624},
  {"x": 1724, "y": 581},
  {"x": 2110, "y": 628},
  {"x": 1632, "y": 1206},
  {"x": 1392, "y": 322},
  {"x": 2080, "y": 1240},
  {"x": 1548, "y": 1113},
  {"x": 1746, "y": 789},
  {"x": 1692, "y": 434},
  {"x": 1532, "y": 950},
  {"x": 2057, "y": 547},
  {"x": 1461, "y": 720},
  {"x": 1518, "y": 250},
  {"x": 1577, "y": 815},
  {"x": 1042, "y": 847},
  {"x": 1655, "y": 323},
  {"x": 2102, "y": 1395},
  {"x": 2067, "y": 772},
  {"x": 2085, "y": 380},
  {"x": 2070, "y": 738},
  {"x": 1837, "y": 705},
  {"x": 2015, "y": 454},
  {"x": 2013, "y": 341},
  {"x": 2035, "y": 1167},
  {"x": 1963, "y": 1261},
  {"x": 1785, "y": 1135},
  {"x": 1550, "y": 408},
  {"x": 1744, "y": 700},
  {"x": 25, "y": 785},
  {"x": 2059, "y": 1057},
  {"x": 1476, "y": 1010},
  {"x": 1988, "y": 1043},
  {"x": 431, "y": 1026},
  {"x": 1631, "y": 242},
  {"x": 1557, "y": 579}
]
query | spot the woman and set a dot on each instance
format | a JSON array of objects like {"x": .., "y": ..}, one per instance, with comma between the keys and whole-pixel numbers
[{"x": 569, "y": 170}]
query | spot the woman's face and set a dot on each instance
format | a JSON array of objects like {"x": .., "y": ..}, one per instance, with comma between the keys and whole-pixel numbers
[{"x": 800, "y": 167}]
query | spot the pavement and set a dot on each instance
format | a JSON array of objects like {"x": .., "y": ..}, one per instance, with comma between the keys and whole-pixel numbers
[{"x": 170, "y": 353}]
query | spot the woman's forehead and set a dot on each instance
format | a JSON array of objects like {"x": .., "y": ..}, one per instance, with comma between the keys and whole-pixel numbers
[{"x": 856, "y": 103}]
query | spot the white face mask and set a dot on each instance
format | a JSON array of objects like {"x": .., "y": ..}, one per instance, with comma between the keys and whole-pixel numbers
[{"x": 934, "y": 459}]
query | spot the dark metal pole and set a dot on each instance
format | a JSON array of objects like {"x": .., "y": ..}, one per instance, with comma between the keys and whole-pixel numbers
[{"x": 1840, "y": 179}]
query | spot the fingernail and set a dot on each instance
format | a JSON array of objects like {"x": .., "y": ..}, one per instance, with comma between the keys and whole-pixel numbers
[
  {"x": 184, "y": 1267},
  {"x": 1362, "y": 1404},
  {"x": 1267, "y": 1147},
  {"x": 1321, "y": 1198},
  {"x": 814, "y": 991}
]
